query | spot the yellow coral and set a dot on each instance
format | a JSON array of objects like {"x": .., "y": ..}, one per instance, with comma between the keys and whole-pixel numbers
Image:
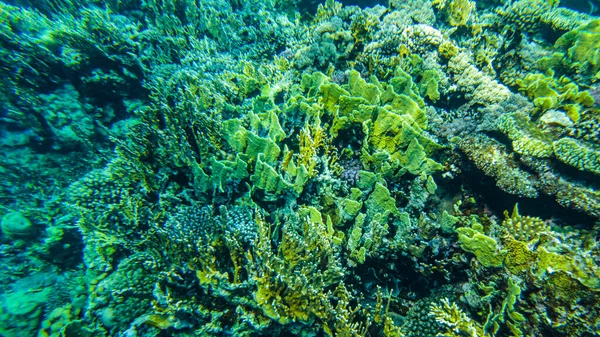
[
  {"x": 523, "y": 228},
  {"x": 519, "y": 258},
  {"x": 486, "y": 249},
  {"x": 455, "y": 320},
  {"x": 311, "y": 139},
  {"x": 457, "y": 11}
]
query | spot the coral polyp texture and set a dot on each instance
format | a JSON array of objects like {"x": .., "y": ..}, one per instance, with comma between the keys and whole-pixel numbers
[{"x": 295, "y": 168}]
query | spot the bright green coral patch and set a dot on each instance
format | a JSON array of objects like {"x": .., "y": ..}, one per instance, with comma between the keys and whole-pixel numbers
[
  {"x": 486, "y": 249},
  {"x": 392, "y": 132},
  {"x": 550, "y": 93},
  {"x": 381, "y": 202},
  {"x": 581, "y": 48},
  {"x": 429, "y": 85},
  {"x": 415, "y": 160}
]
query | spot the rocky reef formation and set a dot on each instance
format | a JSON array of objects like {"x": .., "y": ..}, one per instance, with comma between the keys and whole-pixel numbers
[{"x": 287, "y": 168}]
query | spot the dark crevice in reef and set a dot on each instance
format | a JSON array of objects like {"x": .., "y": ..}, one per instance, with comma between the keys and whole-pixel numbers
[{"x": 544, "y": 206}]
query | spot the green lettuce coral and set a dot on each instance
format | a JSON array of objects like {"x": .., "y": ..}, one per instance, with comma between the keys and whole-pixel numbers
[
  {"x": 550, "y": 93},
  {"x": 485, "y": 248},
  {"x": 580, "y": 46}
]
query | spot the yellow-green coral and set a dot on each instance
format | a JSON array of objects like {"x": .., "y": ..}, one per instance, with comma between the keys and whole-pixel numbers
[
  {"x": 295, "y": 275},
  {"x": 457, "y": 11},
  {"x": 415, "y": 160},
  {"x": 357, "y": 251},
  {"x": 242, "y": 140},
  {"x": 486, "y": 249},
  {"x": 550, "y": 93},
  {"x": 380, "y": 202},
  {"x": 392, "y": 132},
  {"x": 267, "y": 178},
  {"x": 390, "y": 115},
  {"x": 507, "y": 313},
  {"x": 403, "y": 84},
  {"x": 224, "y": 170},
  {"x": 366, "y": 180},
  {"x": 576, "y": 153},
  {"x": 581, "y": 49},
  {"x": 311, "y": 140},
  {"x": 293, "y": 285},
  {"x": 523, "y": 228},
  {"x": 550, "y": 262},
  {"x": 447, "y": 49},
  {"x": 526, "y": 138},
  {"x": 455, "y": 320},
  {"x": 429, "y": 85},
  {"x": 349, "y": 208},
  {"x": 519, "y": 258},
  {"x": 360, "y": 88},
  {"x": 386, "y": 117}
]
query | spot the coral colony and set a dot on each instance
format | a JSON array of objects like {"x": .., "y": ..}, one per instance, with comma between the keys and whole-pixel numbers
[{"x": 286, "y": 168}]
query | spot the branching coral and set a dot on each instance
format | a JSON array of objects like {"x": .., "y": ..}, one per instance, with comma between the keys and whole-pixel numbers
[
  {"x": 456, "y": 321},
  {"x": 523, "y": 228}
]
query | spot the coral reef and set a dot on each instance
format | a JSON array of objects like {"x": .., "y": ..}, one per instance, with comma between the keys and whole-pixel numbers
[{"x": 288, "y": 168}]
